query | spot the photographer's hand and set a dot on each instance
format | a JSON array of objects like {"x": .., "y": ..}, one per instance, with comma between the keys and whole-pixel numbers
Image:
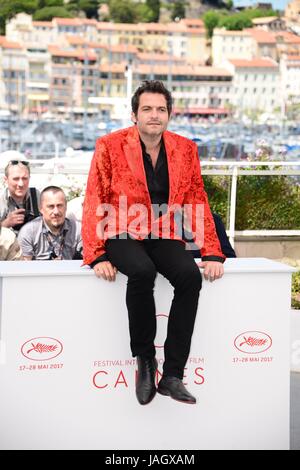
[{"x": 15, "y": 217}]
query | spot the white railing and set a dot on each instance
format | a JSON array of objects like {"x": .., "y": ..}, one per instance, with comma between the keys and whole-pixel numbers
[{"x": 232, "y": 168}]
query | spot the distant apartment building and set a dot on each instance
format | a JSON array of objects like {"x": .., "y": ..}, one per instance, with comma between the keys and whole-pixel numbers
[
  {"x": 264, "y": 43},
  {"x": 287, "y": 43},
  {"x": 270, "y": 23},
  {"x": 256, "y": 84},
  {"x": 185, "y": 38},
  {"x": 84, "y": 27},
  {"x": 290, "y": 76},
  {"x": 245, "y": 44},
  {"x": 197, "y": 91},
  {"x": 38, "y": 82},
  {"x": 74, "y": 79},
  {"x": 231, "y": 45},
  {"x": 23, "y": 29},
  {"x": 13, "y": 75},
  {"x": 30, "y": 33},
  {"x": 252, "y": 43},
  {"x": 77, "y": 66}
]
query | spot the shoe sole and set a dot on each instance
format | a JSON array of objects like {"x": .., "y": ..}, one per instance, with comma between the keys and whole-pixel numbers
[{"x": 166, "y": 393}]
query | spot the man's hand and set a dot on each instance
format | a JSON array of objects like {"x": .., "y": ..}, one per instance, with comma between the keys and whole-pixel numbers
[
  {"x": 15, "y": 217},
  {"x": 105, "y": 270},
  {"x": 212, "y": 270}
]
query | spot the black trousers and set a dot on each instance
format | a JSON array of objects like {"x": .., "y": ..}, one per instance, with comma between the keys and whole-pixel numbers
[{"x": 140, "y": 261}]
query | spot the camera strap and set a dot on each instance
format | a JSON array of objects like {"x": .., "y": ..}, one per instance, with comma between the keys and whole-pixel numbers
[
  {"x": 34, "y": 202},
  {"x": 56, "y": 245}
]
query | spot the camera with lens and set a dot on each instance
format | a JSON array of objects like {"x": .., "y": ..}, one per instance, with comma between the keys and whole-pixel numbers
[
  {"x": 28, "y": 216},
  {"x": 54, "y": 256},
  {"x": 31, "y": 209}
]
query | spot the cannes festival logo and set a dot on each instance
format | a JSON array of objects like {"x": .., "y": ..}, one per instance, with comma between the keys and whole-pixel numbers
[
  {"x": 42, "y": 348},
  {"x": 253, "y": 342}
]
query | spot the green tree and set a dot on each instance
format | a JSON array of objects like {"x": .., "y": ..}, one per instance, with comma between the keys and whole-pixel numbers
[
  {"x": 236, "y": 22},
  {"x": 274, "y": 203},
  {"x": 217, "y": 188},
  {"x": 263, "y": 202},
  {"x": 296, "y": 290},
  {"x": 47, "y": 13},
  {"x": 123, "y": 11},
  {"x": 154, "y": 6},
  {"x": 144, "y": 13},
  {"x": 129, "y": 11},
  {"x": 211, "y": 20},
  {"x": 51, "y": 3},
  {"x": 89, "y": 7},
  {"x": 232, "y": 21},
  {"x": 178, "y": 9},
  {"x": 229, "y": 4}
]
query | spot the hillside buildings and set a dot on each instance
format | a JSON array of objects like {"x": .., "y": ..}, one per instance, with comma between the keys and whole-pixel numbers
[{"x": 76, "y": 67}]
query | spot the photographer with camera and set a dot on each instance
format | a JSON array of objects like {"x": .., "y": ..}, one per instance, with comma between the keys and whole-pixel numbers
[
  {"x": 18, "y": 202},
  {"x": 51, "y": 236}
]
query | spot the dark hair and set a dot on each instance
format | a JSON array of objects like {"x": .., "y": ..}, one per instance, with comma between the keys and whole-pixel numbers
[
  {"x": 52, "y": 189},
  {"x": 151, "y": 86}
]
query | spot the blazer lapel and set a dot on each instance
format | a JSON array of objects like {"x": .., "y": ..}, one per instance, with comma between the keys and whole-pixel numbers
[
  {"x": 174, "y": 157},
  {"x": 133, "y": 154}
]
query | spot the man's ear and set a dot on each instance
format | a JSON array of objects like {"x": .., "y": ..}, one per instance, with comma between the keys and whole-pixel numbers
[
  {"x": 5, "y": 180},
  {"x": 133, "y": 118}
]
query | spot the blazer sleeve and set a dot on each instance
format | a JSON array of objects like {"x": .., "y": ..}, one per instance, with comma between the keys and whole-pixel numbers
[
  {"x": 97, "y": 194},
  {"x": 199, "y": 216}
]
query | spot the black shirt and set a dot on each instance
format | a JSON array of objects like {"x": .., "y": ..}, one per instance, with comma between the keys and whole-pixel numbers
[{"x": 158, "y": 177}]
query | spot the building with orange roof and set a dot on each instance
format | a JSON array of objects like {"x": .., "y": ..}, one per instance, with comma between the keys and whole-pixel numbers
[
  {"x": 256, "y": 84},
  {"x": 194, "y": 89},
  {"x": 231, "y": 45},
  {"x": 68, "y": 63},
  {"x": 38, "y": 83},
  {"x": 287, "y": 43},
  {"x": 74, "y": 77},
  {"x": 264, "y": 43},
  {"x": 13, "y": 75},
  {"x": 78, "y": 26},
  {"x": 152, "y": 58},
  {"x": 270, "y": 23},
  {"x": 290, "y": 76},
  {"x": 252, "y": 42},
  {"x": 185, "y": 38},
  {"x": 22, "y": 29}
]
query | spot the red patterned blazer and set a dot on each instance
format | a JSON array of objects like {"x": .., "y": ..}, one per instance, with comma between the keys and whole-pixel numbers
[{"x": 117, "y": 198}]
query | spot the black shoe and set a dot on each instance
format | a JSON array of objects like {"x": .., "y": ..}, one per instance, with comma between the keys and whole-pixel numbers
[
  {"x": 145, "y": 384},
  {"x": 174, "y": 388}
]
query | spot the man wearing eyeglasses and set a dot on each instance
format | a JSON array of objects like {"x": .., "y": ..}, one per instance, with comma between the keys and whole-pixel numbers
[{"x": 18, "y": 202}]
